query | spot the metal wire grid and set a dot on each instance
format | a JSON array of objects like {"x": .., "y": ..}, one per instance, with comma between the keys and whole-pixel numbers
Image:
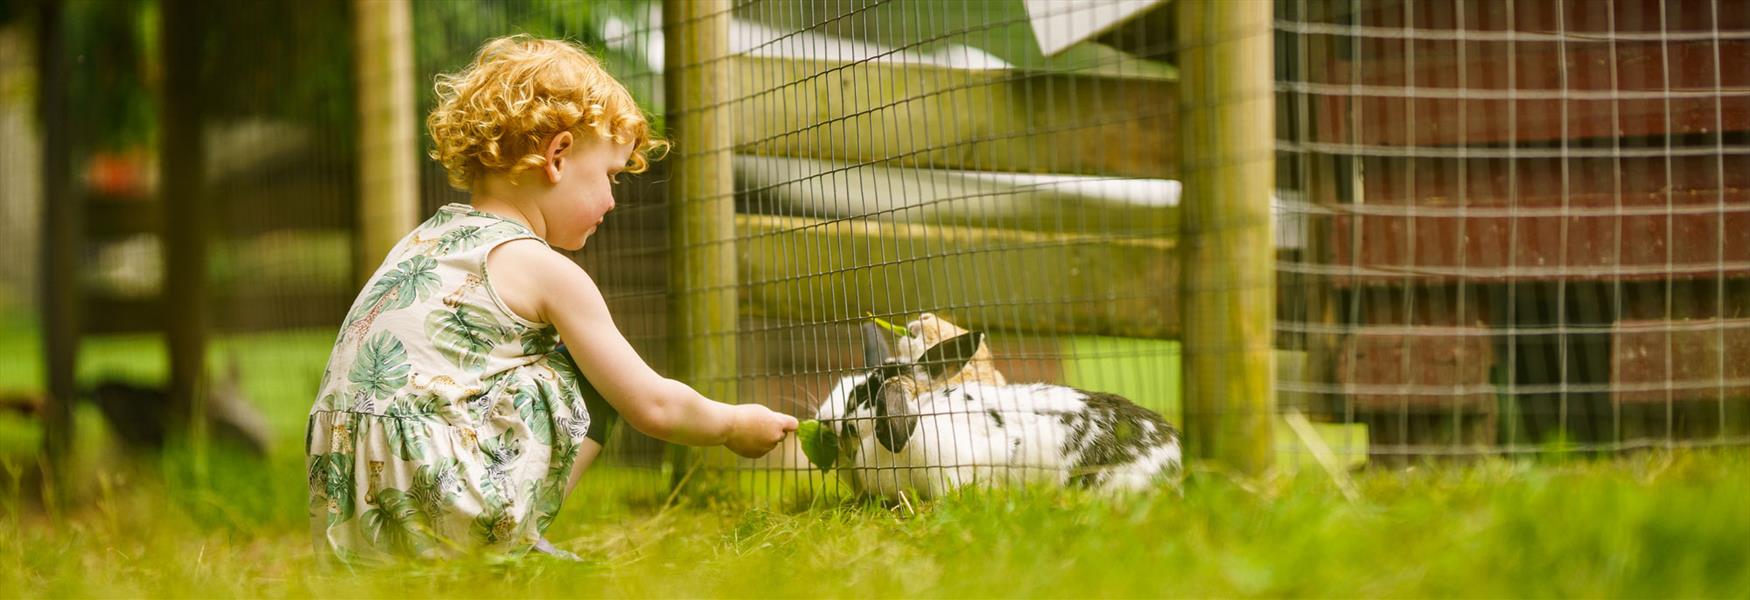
[
  {"x": 627, "y": 258},
  {"x": 277, "y": 175},
  {"x": 1551, "y": 333},
  {"x": 1563, "y": 330},
  {"x": 896, "y": 257}
]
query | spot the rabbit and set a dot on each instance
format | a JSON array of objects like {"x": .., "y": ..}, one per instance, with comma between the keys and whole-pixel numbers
[
  {"x": 927, "y": 331},
  {"x": 897, "y": 434}
]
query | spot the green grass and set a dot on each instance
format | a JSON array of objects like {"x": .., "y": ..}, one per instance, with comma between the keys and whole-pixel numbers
[
  {"x": 1147, "y": 371},
  {"x": 1651, "y": 524},
  {"x": 1657, "y": 524}
]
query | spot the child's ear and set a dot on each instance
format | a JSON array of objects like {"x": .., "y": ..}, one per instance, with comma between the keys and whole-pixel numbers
[{"x": 555, "y": 155}]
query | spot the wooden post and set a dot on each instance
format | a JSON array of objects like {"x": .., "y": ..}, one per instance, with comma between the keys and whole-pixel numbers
[
  {"x": 702, "y": 278},
  {"x": 388, "y": 205},
  {"x": 1227, "y": 146},
  {"x": 188, "y": 213},
  {"x": 60, "y": 250},
  {"x": 1321, "y": 173}
]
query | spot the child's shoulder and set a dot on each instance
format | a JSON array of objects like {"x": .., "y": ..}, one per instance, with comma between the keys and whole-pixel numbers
[
  {"x": 528, "y": 253},
  {"x": 525, "y": 272}
]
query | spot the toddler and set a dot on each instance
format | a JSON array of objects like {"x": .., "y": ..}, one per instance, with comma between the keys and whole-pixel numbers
[{"x": 450, "y": 420}]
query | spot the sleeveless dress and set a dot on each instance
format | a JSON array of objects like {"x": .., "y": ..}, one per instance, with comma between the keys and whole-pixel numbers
[{"x": 445, "y": 424}]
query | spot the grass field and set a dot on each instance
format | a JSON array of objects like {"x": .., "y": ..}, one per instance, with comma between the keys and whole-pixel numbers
[{"x": 1667, "y": 524}]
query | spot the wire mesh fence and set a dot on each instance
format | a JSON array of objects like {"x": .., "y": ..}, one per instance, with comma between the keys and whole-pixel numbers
[
  {"x": 1526, "y": 222},
  {"x": 928, "y": 164},
  {"x": 1499, "y": 227},
  {"x": 626, "y": 259},
  {"x": 273, "y": 163}
]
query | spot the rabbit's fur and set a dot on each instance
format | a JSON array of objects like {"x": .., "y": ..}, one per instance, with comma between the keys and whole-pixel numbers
[{"x": 899, "y": 430}]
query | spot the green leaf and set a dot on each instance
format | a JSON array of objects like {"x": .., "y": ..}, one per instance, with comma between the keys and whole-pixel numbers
[
  {"x": 505, "y": 448},
  {"x": 458, "y": 239},
  {"x": 412, "y": 280},
  {"x": 436, "y": 487},
  {"x": 381, "y": 367},
  {"x": 895, "y": 329},
  {"x": 531, "y": 405},
  {"x": 538, "y": 340},
  {"x": 465, "y": 335},
  {"x": 819, "y": 443},
  {"x": 393, "y": 522},
  {"x": 438, "y": 218},
  {"x": 331, "y": 482},
  {"x": 407, "y": 439},
  {"x": 494, "y": 524}
]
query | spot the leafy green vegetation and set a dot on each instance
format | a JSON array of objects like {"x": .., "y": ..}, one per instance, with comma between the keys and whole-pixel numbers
[
  {"x": 819, "y": 444},
  {"x": 1649, "y": 524}
]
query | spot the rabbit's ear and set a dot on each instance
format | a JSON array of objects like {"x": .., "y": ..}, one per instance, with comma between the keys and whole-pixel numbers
[
  {"x": 875, "y": 350},
  {"x": 894, "y": 420},
  {"x": 951, "y": 355}
]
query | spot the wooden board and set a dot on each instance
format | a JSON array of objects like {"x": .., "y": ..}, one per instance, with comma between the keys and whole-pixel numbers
[
  {"x": 1593, "y": 218},
  {"x": 835, "y": 271},
  {"x": 927, "y": 116},
  {"x": 1423, "y": 370},
  {"x": 1655, "y": 361},
  {"x": 1623, "y": 69}
]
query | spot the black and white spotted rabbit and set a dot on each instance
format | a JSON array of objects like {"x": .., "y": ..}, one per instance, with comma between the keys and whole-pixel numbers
[{"x": 897, "y": 432}]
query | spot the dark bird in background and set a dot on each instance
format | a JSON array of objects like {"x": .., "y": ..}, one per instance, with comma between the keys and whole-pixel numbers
[{"x": 139, "y": 414}]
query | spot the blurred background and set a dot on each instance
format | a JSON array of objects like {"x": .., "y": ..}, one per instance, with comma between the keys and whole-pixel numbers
[{"x": 1491, "y": 227}]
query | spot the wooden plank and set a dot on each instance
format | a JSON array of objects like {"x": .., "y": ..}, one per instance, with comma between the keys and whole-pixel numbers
[
  {"x": 1656, "y": 361},
  {"x": 927, "y": 116},
  {"x": 1588, "y": 180},
  {"x": 1427, "y": 106},
  {"x": 1594, "y": 218},
  {"x": 312, "y": 197},
  {"x": 1584, "y": 20},
  {"x": 1427, "y": 91},
  {"x": 238, "y": 310},
  {"x": 1421, "y": 370},
  {"x": 1228, "y": 285},
  {"x": 824, "y": 271},
  {"x": 112, "y": 217},
  {"x": 1056, "y": 203}
]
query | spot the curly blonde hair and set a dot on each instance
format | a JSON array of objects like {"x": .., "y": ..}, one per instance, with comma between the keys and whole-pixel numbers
[{"x": 497, "y": 113}]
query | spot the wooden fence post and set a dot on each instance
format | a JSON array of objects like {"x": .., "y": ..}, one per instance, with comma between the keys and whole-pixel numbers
[
  {"x": 1227, "y": 148},
  {"x": 702, "y": 278},
  {"x": 60, "y": 250},
  {"x": 188, "y": 215},
  {"x": 388, "y": 204}
]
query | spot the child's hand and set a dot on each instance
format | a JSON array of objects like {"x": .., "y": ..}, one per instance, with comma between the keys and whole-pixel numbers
[{"x": 757, "y": 430}]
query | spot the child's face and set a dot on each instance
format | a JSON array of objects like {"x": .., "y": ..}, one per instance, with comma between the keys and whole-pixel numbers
[{"x": 584, "y": 193}]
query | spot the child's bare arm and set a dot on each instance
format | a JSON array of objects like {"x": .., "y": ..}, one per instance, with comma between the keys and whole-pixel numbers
[{"x": 547, "y": 287}]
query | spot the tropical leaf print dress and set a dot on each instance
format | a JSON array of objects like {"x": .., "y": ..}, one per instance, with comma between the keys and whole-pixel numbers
[{"x": 445, "y": 423}]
